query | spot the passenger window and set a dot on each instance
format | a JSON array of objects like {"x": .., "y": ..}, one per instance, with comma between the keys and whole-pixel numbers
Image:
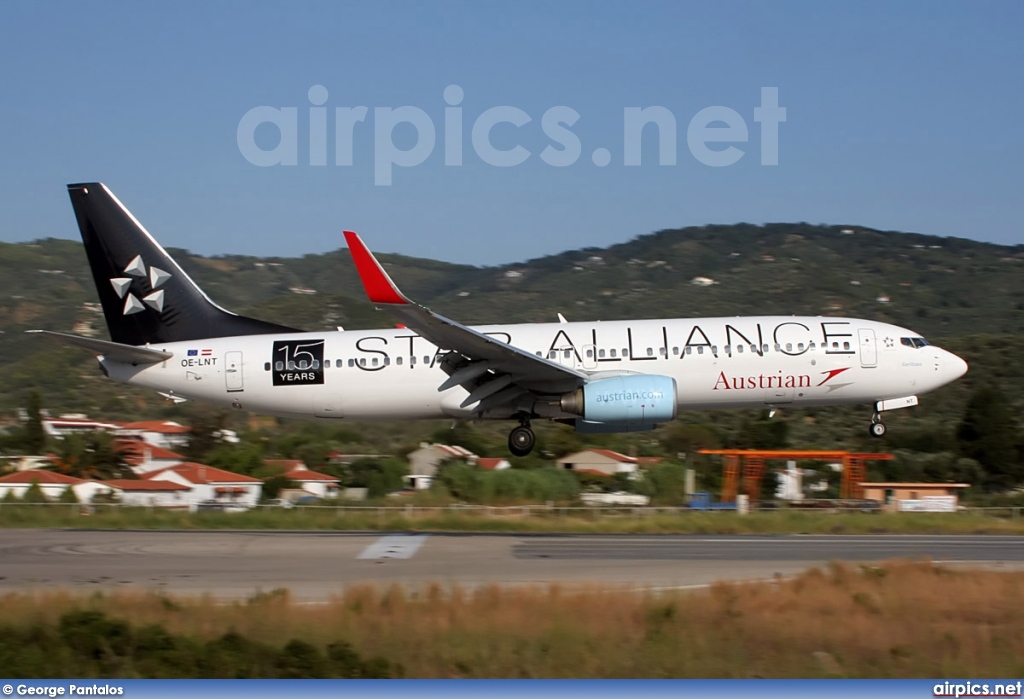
[
  {"x": 600, "y": 353},
  {"x": 266, "y": 367},
  {"x": 663, "y": 352},
  {"x": 426, "y": 360},
  {"x": 362, "y": 362},
  {"x": 387, "y": 361},
  {"x": 739, "y": 349},
  {"x": 566, "y": 354},
  {"x": 789, "y": 346},
  {"x": 846, "y": 345},
  {"x": 675, "y": 350},
  {"x": 398, "y": 361},
  {"x": 552, "y": 354},
  {"x": 291, "y": 366},
  {"x": 316, "y": 364},
  {"x": 412, "y": 361},
  {"x": 700, "y": 349},
  {"x": 374, "y": 361},
  {"x": 689, "y": 350},
  {"x": 590, "y": 354},
  {"x": 279, "y": 366},
  {"x": 650, "y": 352},
  {"x": 614, "y": 353},
  {"x": 625, "y": 352},
  {"x": 351, "y": 362},
  {"x": 727, "y": 349},
  {"x": 764, "y": 349}
]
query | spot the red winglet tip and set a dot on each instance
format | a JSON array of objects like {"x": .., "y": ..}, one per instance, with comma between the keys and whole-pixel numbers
[{"x": 379, "y": 287}]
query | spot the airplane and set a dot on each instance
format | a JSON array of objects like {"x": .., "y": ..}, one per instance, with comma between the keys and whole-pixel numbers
[{"x": 597, "y": 376}]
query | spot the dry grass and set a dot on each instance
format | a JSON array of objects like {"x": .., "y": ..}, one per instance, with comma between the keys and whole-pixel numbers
[{"x": 900, "y": 619}]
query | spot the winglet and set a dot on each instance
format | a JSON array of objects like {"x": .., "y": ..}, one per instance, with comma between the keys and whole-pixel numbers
[{"x": 376, "y": 281}]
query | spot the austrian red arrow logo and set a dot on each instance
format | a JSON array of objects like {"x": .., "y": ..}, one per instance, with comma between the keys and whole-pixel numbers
[{"x": 832, "y": 373}]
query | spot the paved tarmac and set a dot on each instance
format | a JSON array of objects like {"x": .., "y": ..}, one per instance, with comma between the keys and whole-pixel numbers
[{"x": 313, "y": 565}]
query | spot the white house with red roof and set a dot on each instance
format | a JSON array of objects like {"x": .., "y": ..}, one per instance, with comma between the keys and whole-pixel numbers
[
  {"x": 426, "y": 460},
  {"x": 315, "y": 483},
  {"x": 160, "y": 433},
  {"x": 210, "y": 484},
  {"x": 152, "y": 493},
  {"x": 492, "y": 464},
  {"x": 144, "y": 457},
  {"x": 605, "y": 462},
  {"x": 58, "y": 427},
  {"x": 51, "y": 483}
]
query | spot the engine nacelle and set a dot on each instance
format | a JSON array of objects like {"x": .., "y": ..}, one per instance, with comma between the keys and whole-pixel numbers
[{"x": 623, "y": 403}]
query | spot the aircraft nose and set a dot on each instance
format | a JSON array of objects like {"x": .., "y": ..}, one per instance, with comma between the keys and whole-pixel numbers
[{"x": 953, "y": 367}]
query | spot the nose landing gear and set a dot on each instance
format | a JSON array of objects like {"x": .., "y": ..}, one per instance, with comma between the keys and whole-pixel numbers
[
  {"x": 521, "y": 439},
  {"x": 877, "y": 427}
]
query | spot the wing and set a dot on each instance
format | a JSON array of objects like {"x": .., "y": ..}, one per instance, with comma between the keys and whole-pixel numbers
[{"x": 495, "y": 373}]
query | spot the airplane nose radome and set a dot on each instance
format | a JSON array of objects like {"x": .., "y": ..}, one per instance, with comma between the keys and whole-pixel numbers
[{"x": 954, "y": 366}]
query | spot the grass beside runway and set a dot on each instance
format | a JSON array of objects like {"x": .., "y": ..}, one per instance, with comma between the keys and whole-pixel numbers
[
  {"x": 511, "y": 519},
  {"x": 897, "y": 620}
]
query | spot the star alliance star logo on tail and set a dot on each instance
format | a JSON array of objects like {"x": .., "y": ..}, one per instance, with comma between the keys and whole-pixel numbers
[{"x": 136, "y": 269}]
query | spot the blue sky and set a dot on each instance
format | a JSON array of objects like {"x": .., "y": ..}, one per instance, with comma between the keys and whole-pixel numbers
[{"x": 899, "y": 116}]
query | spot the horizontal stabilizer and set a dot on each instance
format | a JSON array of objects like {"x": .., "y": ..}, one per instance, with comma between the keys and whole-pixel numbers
[{"x": 128, "y": 354}]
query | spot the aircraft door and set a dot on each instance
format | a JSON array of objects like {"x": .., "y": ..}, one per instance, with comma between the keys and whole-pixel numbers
[
  {"x": 233, "y": 372},
  {"x": 589, "y": 356},
  {"x": 868, "y": 349}
]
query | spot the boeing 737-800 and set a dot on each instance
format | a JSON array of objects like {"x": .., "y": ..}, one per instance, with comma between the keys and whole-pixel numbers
[{"x": 600, "y": 376}]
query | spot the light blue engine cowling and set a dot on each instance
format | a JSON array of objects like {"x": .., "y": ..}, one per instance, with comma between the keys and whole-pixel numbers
[{"x": 627, "y": 403}]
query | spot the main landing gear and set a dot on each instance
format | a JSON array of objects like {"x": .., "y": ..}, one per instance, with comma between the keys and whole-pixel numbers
[
  {"x": 877, "y": 427},
  {"x": 521, "y": 439}
]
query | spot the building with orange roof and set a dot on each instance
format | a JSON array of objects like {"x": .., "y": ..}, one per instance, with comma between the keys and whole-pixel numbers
[
  {"x": 152, "y": 493},
  {"x": 144, "y": 457},
  {"x": 314, "y": 483},
  {"x": 212, "y": 485},
  {"x": 605, "y": 462},
  {"x": 161, "y": 433},
  {"x": 51, "y": 483}
]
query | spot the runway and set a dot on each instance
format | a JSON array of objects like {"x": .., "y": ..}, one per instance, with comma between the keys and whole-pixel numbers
[{"x": 313, "y": 565}]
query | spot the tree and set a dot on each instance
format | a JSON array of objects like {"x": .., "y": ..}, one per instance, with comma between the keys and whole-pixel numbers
[
  {"x": 764, "y": 433},
  {"x": 33, "y": 436},
  {"x": 273, "y": 486},
  {"x": 34, "y": 494},
  {"x": 988, "y": 434},
  {"x": 205, "y": 436},
  {"x": 92, "y": 455},
  {"x": 686, "y": 439},
  {"x": 378, "y": 476}
]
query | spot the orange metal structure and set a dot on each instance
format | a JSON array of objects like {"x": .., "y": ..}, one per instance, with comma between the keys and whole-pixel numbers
[{"x": 752, "y": 460}]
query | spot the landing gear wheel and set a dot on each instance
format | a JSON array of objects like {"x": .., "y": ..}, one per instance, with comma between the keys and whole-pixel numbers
[
  {"x": 521, "y": 440},
  {"x": 877, "y": 429}
]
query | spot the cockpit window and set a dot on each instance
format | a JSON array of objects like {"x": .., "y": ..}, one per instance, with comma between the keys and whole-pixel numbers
[{"x": 914, "y": 342}]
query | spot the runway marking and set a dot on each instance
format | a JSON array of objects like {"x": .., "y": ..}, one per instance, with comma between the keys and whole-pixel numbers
[{"x": 395, "y": 546}]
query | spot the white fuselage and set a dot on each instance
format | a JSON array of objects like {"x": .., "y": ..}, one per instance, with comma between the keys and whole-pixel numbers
[{"x": 393, "y": 374}]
